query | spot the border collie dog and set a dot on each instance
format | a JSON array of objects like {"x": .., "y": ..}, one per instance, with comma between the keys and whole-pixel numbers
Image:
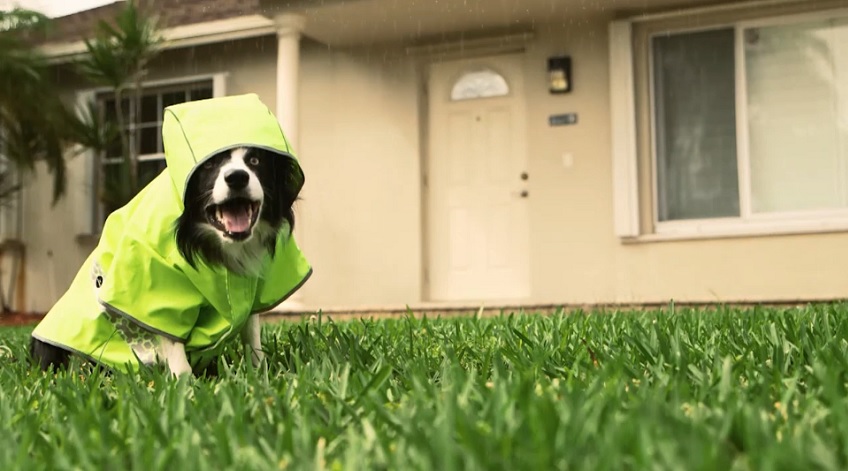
[{"x": 237, "y": 206}]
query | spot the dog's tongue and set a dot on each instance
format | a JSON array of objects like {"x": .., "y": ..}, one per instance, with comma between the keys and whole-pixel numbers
[{"x": 235, "y": 217}]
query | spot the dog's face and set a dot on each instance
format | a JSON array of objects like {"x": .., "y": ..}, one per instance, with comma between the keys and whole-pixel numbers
[
  {"x": 236, "y": 203},
  {"x": 236, "y": 198}
]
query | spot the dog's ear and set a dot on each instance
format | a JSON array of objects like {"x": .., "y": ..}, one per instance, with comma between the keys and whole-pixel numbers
[
  {"x": 290, "y": 179},
  {"x": 287, "y": 182}
]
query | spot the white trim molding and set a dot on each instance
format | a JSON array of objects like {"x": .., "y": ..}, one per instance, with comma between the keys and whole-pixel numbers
[
  {"x": 219, "y": 83},
  {"x": 289, "y": 30},
  {"x": 703, "y": 10},
  {"x": 725, "y": 229},
  {"x": 625, "y": 175},
  {"x": 83, "y": 196},
  {"x": 474, "y": 47},
  {"x": 180, "y": 36}
]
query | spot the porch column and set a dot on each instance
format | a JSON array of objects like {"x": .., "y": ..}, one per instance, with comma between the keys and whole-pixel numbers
[{"x": 289, "y": 29}]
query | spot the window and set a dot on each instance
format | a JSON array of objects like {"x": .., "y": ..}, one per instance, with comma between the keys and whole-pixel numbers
[
  {"x": 147, "y": 134},
  {"x": 796, "y": 77},
  {"x": 742, "y": 126},
  {"x": 694, "y": 103},
  {"x": 483, "y": 83}
]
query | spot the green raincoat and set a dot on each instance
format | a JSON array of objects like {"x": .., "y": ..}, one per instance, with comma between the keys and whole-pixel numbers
[{"x": 136, "y": 284}]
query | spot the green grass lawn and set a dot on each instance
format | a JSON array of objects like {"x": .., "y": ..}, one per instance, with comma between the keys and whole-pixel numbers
[{"x": 716, "y": 389}]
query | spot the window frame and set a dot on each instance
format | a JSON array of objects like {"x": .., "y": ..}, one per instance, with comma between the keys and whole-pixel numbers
[
  {"x": 92, "y": 217},
  {"x": 636, "y": 191},
  {"x": 664, "y": 226}
]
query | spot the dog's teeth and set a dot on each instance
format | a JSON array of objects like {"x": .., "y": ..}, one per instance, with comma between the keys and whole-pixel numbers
[{"x": 219, "y": 214}]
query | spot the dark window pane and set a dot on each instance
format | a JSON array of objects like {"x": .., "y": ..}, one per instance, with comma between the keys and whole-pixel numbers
[
  {"x": 114, "y": 148},
  {"x": 111, "y": 113},
  {"x": 108, "y": 109},
  {"x": 201, "y": 93},
  {"x": 112, "y": 172},
  {"x": 173, "y": 98},
  {"x": 695, "y": 103},
  {"x": 150, "y": 109},
  {"x": 115, "y": 177},
  {"x": 149, "y": 169},
  {"x": 149, "y": 140},
  {"x": 115, "y": 182}
]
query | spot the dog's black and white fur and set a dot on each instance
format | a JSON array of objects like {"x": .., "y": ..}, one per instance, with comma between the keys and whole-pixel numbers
[{"x": 236, "y": 205}]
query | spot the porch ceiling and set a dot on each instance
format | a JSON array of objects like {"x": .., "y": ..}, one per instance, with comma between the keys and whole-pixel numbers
[{"x": 351, "y": 22}]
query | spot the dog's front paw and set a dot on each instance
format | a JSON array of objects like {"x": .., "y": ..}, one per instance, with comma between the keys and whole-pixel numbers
[
  {"x": 180, "y": 369},
  {"x": 257, "y": 357},
  {"x": 173, "y": 354}
]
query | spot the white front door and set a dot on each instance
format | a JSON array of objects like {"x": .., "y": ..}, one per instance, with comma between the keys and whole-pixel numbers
[{"x": 477, "y": 182}]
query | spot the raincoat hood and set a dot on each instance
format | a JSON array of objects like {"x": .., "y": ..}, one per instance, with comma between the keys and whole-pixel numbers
[
  {"x": 136, "y": 286},
  {"x": 194, "y": 132}
]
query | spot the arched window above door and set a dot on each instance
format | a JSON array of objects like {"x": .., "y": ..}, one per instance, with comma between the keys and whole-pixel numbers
[{"x": 483, "y": 83}]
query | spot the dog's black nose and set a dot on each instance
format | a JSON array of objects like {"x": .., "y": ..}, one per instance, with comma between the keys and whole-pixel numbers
[{"x": 236, "y": 179}]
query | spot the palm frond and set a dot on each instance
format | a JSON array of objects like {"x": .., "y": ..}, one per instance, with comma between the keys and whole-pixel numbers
[
  {"x": 120, "y": 51},
  {"x": 91, "y": 130},
  {"x": 32, "y": 115},
  {"x": 22, "y": 19}
]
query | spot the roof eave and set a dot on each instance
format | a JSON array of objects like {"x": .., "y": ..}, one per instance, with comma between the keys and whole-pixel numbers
[{"x": 196, "y": 34}]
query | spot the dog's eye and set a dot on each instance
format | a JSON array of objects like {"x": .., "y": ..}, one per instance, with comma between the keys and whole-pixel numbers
[
  {"x": 207, "y": 164},
  {"x": 253, "y": 161}
]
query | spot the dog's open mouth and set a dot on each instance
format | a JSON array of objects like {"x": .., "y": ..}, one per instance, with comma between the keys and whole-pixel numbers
[{"x": 234, "y": 217}]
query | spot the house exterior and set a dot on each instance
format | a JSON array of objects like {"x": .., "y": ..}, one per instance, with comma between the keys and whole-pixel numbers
[{"x": 699, "y": 152}]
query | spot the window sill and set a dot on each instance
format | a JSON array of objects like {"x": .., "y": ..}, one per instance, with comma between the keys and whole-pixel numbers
[{"x": 713, "y": 231}]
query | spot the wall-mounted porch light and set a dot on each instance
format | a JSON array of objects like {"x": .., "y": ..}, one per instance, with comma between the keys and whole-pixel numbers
[{"x": 559, "y": 74}]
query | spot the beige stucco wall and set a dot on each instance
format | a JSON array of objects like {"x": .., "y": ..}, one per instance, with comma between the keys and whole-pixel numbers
[
  {"x": 361, "y": 208},
  {"x": 572, "y": 247},
  {"x": 52, "y": 252}
]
